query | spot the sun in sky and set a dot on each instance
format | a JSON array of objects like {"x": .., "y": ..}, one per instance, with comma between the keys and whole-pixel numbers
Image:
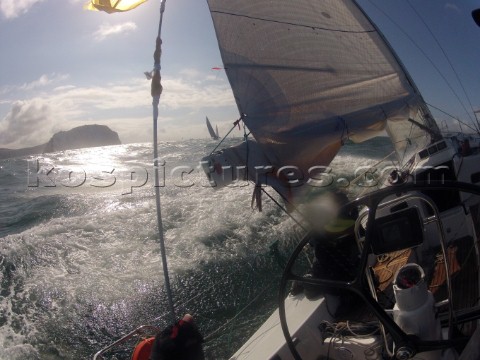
[{"x": 63, "y": 66}]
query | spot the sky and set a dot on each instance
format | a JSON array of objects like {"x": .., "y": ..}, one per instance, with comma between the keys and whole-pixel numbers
[{"x": 62, "y": 66}]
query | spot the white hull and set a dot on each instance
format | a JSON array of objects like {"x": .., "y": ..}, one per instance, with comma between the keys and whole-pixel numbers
[
  {"x": 306, "y": 319},
  {"x": 303, "y": 317}
]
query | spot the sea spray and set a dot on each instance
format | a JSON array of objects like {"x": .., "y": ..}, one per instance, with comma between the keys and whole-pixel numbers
[{"x": 80, "y": 266}]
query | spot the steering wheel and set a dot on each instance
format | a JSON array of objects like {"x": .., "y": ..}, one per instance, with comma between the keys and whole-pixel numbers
[{"x": 406, "y": 346}]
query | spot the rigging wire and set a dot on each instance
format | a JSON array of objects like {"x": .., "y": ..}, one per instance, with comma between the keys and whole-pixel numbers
[
  {"x": 447, "y": 58},
  {"x": 263, "y": 291},
  {"x": 427, "y": 58},
  {"x": 156, "y": 92},
  {"x": 213, "y": 286},
  {"x": 373, "y": 167},
  {"x": 285, "y": 210},
  {"x": 408, "y": 140},
  {"x": 453, "y": 117},
  {"x": 235, "y": 123}
]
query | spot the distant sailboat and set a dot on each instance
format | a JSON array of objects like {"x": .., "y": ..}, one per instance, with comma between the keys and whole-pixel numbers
[{"x": 213, "y": 134}]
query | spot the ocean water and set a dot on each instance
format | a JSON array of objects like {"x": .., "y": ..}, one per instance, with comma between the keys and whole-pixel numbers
[{"x": 80, "y": 261}]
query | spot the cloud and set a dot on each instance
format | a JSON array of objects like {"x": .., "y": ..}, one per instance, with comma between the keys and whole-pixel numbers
[
  {"x": 14, "y": 8},
  {"x": 28, "y": 123},
  {"x": 179, "y": 93},
  {"x": 43, "y": 81},
  {"x": 124, "y": 105},
  {"x": 106, "y": 30}
]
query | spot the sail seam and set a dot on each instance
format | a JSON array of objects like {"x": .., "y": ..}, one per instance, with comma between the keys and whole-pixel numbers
[
  {"x": 292, "y": 24},
  {"x": 229, "y": 66}
]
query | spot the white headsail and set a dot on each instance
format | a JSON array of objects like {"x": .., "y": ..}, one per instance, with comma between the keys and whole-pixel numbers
[{"x": 307, "y": 74}]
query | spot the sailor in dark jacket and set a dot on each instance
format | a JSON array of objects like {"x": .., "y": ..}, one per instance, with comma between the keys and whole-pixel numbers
[{"x": 181, "y": 341}]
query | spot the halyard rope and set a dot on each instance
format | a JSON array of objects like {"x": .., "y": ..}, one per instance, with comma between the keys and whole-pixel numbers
[{"x": 156, "y": 91}]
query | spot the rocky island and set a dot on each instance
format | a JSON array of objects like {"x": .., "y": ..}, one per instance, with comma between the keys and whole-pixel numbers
[{"x": 76, "y": 138}]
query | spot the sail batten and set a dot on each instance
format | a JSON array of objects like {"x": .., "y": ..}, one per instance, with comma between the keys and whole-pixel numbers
[{"x": 277, "y": 67}]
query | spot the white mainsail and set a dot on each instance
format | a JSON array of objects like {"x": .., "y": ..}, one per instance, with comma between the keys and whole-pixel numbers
[
  {"x": 212, "y": 132},
  {"x": 307, "y": 75}
]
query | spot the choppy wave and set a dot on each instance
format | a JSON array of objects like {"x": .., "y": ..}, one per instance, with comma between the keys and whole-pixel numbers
[{"x": 80, "y": 265}]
